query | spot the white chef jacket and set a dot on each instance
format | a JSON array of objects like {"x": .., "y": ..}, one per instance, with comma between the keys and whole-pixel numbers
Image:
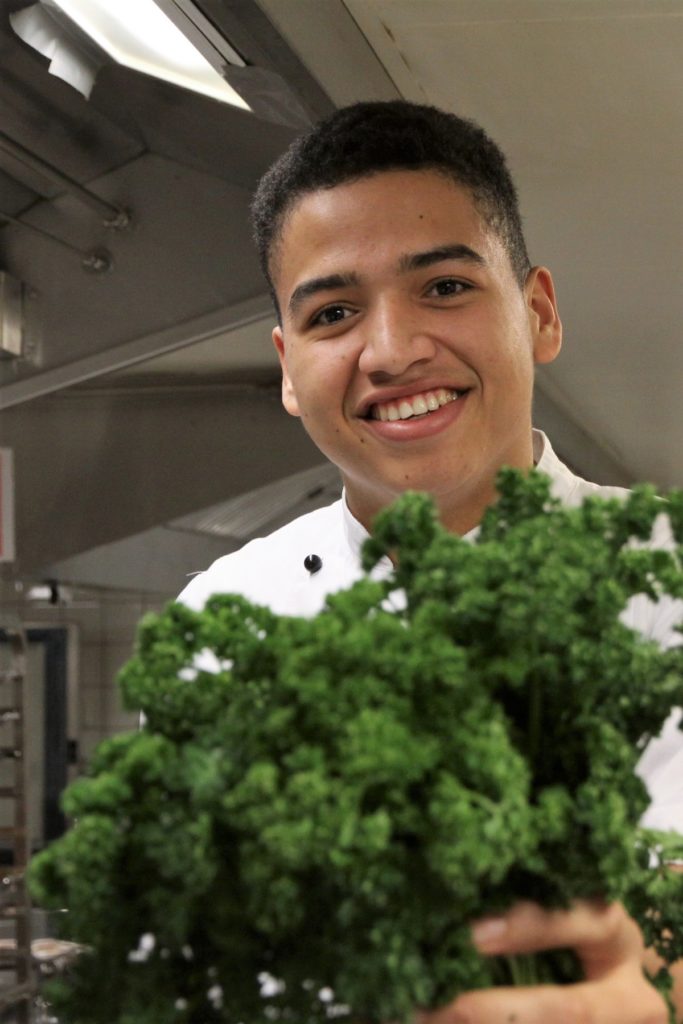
[{"x": 270, "y": 571}]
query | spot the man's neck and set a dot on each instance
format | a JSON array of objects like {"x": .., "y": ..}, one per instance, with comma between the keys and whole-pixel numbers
[
  {"x": 460, "y": 509},
  {"x": 456, "y": 516}
]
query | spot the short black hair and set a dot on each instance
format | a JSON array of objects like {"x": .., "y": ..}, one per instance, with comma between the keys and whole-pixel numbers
[{"x": 368, "y": 138}]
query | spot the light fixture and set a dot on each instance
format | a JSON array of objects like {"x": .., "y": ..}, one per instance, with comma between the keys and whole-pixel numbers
[
  {"x": 168, "y": 39},
  {"x": 44, "y": 593}
]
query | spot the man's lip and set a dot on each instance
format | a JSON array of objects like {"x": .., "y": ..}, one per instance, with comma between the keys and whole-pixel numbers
[
  {"x": 409, "y": 391},
  {"x": 415, "y": 429}
]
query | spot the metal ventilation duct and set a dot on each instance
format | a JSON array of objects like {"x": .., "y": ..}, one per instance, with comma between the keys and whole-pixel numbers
[{"x": 264, "y": 509}]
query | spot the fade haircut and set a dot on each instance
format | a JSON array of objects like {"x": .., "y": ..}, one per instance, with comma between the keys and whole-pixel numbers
[{"x": 368, "y": 138}]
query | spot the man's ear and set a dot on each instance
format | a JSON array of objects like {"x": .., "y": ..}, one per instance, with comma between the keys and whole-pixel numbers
[
  {"x": 546, "y": 328},
  {"x": 288, "y": 397}
]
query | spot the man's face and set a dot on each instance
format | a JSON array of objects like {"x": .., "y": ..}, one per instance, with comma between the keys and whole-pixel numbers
[{"x": 407, "y": 345}]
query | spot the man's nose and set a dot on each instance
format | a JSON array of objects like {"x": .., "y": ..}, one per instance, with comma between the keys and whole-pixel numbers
[{"x": 394, "y": 340}]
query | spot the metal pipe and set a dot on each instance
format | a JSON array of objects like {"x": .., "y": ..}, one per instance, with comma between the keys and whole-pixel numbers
[
  {"x": 96, "y": 260},
  {"x": 39, "y": 231},
  {"x": 114, "y": 216}
]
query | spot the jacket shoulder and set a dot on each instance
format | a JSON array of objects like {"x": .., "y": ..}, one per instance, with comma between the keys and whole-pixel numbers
[{"x": 268, "y": 565}]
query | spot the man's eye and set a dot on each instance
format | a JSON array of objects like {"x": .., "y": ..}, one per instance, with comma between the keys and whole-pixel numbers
[
  {"x": 448, "y": 286},
  {"x": 331, "y": 315}
]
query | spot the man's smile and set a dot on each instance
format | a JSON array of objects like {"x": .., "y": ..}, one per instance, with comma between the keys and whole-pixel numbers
[
  {"x": 415, "y": 417},
  {"x": 417, "y": 405}
]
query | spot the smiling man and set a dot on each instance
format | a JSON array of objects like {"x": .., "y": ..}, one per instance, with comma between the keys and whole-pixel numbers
[
  {"x": 410, "y": 321},
  {"x": 407, "y": 343}
]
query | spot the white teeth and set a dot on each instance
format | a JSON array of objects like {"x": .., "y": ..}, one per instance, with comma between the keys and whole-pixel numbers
[{"x": 429, "y": 401}]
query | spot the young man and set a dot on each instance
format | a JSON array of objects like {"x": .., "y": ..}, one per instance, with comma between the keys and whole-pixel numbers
[{"x": 409, "y": 324}]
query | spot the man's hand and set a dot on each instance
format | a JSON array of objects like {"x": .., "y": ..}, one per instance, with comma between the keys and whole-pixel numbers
[{"x": 610, "y": 947}]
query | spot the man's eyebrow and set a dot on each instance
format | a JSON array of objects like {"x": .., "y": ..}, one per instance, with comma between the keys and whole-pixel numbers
[
  {"x": 419, "y": 260},
  {"x": 319, "y": 284},
  {"x": 410, "y": 261}
]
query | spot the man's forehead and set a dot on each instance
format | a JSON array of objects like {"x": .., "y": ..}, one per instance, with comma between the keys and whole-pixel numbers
[
  {"x": 313, "y": 201},
  {"x": 425, "y": 176}
]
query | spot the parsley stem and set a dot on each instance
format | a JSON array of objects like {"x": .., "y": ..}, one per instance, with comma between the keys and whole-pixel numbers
[
  {"x": 522, "y": 970},
  {"x": 534, "y": 719}
]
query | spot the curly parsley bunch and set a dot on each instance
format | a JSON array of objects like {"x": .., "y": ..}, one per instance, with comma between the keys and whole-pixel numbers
[{"x": 317, "y": 808}]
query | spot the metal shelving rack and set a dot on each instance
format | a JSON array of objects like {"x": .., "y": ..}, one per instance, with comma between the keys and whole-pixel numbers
[{"x": 17, "y": 978}]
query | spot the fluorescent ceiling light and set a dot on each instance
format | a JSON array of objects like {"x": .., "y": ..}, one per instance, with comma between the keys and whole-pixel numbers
[{"x": 138, "y": 34}]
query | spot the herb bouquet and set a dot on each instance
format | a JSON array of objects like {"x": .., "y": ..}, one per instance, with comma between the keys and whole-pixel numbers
[{"x": 316, "y": 808}]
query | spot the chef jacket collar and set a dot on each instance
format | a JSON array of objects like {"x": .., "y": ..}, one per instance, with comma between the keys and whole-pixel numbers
[{"x": 544, "y": 459}]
